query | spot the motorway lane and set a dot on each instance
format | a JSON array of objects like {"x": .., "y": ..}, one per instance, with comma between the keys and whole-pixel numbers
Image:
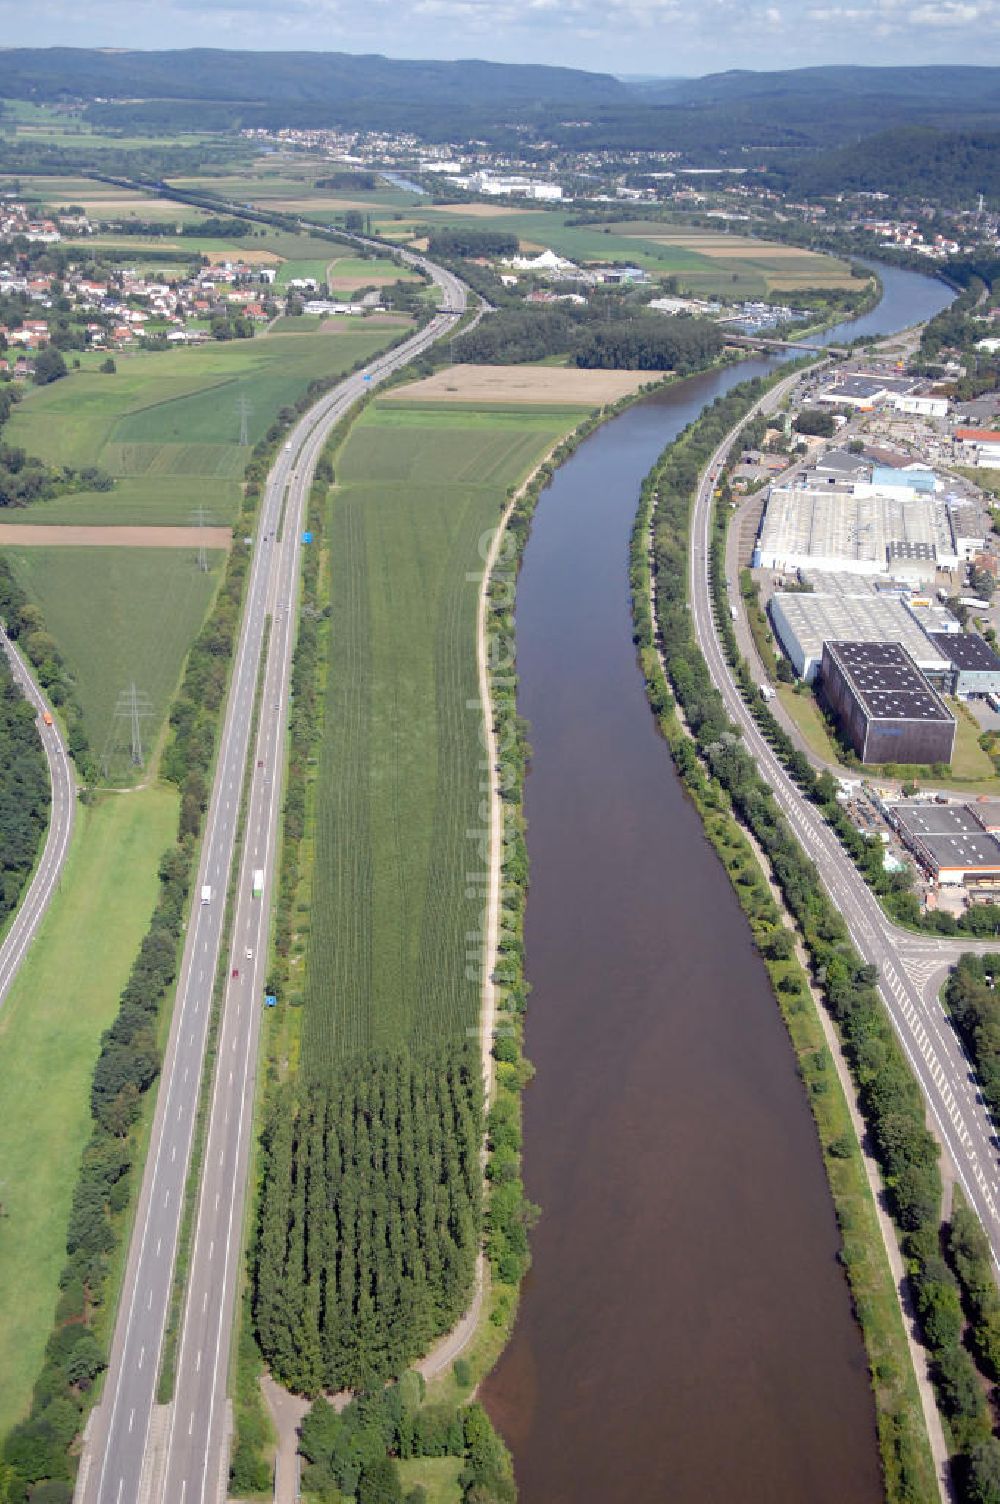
[
  {"x": 62, "y": 784},
  {"x": 910, "y": 967},
  {"x": 118, "y": 1463}
]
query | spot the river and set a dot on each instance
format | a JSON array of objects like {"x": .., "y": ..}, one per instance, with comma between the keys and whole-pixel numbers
[{"x": 685, "y": 1332}]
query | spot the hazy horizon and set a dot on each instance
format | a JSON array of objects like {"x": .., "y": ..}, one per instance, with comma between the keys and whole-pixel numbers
[{"x": 650, "y": 38}]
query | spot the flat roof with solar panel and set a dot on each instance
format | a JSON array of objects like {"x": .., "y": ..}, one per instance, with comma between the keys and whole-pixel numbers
[
  {"x": 966, "y": 650},
  {"x": 937, "y": 819},
  {"x": 949, "y": 840},
  {"x": 887, "y": 683}
]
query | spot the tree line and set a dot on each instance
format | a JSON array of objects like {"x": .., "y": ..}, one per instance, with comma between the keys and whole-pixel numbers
[
  {"x": 26, "y": 626},
  {"x": 24, "y": 792},
  {"x": 888, "y": 1094},
  {"x": 41, "y": 1453},
  {"x": 39, "y": 1449},
  {"x": 612, "y": 337},
  {"x": 369, "y": 1215},
  {"x": 354, "y": 1454},
  {"x": 468, "y": 240}
]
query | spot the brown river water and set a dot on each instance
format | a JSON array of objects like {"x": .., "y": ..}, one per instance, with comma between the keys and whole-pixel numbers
[{"x": 685, "y": 1332}]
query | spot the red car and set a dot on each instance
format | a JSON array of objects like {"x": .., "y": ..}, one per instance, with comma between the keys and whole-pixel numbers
[{"x": 235, "y": 972}]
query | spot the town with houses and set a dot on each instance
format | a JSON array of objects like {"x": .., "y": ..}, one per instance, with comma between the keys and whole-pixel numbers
[
  {"x": 871, "y": 546},
  {"x": 724, "y": 195}
]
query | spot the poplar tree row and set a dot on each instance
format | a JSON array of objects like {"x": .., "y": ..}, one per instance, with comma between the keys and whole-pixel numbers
[{"x": 370, "y": 1216}]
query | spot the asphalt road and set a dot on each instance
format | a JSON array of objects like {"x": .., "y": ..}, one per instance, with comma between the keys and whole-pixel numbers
[
  {"x": 62, "y": 783},
  {"x": 130, "y": 1455},
  {"x": 911, "y": 967}
]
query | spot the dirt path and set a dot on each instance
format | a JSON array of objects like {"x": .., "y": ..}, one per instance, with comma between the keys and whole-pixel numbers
[{"x": 38, "y": 535}]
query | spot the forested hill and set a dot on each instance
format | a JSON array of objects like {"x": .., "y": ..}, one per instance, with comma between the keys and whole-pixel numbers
[
  {"x": 804, "y": 108},
  {"x": 308, "y": 87},
  {"x": 951, "y": 167}
]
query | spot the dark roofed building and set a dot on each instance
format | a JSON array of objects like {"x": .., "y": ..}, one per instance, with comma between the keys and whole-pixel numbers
[
  {"x": 884, "y": 705},
  {"x": 841, "y": 465},
  {"x": 976, "y": 667},
  {"x": 949, "y": 842}
]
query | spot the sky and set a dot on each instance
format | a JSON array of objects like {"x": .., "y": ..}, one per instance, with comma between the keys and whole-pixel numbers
[{"x": 661, "y": 37}]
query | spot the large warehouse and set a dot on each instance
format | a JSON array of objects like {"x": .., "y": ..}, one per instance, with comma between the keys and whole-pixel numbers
[
  {"x": 804, "y": 621},
  {"x": 884, "y": 705},
  {"x": 831, "y": 528}
]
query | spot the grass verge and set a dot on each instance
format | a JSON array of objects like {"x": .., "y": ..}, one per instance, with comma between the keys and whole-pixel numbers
[{"x": 66, "y": 994}]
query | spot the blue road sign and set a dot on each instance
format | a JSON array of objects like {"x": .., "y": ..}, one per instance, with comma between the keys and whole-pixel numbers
[
  {"x": 270, "y": 1001},
  {"x": 307, "y": 537}
]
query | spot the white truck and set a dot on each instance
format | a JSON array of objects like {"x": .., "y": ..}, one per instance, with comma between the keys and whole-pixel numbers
[
  {"x": 206, "y": 894},
  {"x": 258, "y": 882}
]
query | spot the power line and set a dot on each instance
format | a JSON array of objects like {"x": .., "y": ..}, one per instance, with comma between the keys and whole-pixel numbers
[
  {"x": 244, "y": 409},
  {"x": 131, "y": 708},
  {"x": 200, "y": 519}
]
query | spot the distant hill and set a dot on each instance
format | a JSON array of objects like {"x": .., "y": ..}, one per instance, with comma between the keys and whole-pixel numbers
[
  {"x": 805, "y": 110},
  {"x": 307, "y": 88},
  {"x": 808, "y": 108}
]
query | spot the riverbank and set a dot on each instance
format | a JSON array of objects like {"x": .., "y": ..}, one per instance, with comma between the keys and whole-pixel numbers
[
  {"x": 911, "y": 1440},
  {"x": 888, "y": 1093}
]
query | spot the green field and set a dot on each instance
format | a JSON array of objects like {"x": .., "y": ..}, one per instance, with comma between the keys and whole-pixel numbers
[
  {"x": 706, "y": 262},
  {"x": 50, "y": 1028},
  {"x": 399, "y": 774},
  {"x": 167, "y": 423},
  {"x": 119, "y": 616}
]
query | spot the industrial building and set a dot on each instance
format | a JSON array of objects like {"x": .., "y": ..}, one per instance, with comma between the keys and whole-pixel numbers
[
  {"x": 864, "y": 392},
  {"x": 975, "y": 666},
  {"x": 966, "y": 529},
  {"x": 923, "y": 407},
  {"x": 835, "y": 582},
  {"x": 979, "y": 446},
  {"x": 893, "y": 478},
  {"x": 884, "y": 705},
  {"x": 832, "y": 528},
  {"x": 931, "y": 617},
  {"x": 840, "y": 465},
  {"x": 803, "y": 622},
  {"x": 949, "y": 842}
]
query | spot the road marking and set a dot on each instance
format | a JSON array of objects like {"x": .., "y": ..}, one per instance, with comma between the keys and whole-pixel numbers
[
  {"x": 142, "y": 1354},
  {"x": 131, "y": 1418}
]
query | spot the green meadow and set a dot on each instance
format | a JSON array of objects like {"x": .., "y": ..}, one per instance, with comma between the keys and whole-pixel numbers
[
  {"x": 65, "y": 995},
  {"x": 167, "y": 424},
  {"x": 400, "y": 758},
  {"x": 119, "y": 616}
]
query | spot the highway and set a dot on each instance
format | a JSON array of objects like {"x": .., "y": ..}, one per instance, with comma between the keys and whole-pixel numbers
[
  {"x": 134, "y": 1450},
  {"x": 62, "y": 784},
  {"x": 911, "y": 967}
]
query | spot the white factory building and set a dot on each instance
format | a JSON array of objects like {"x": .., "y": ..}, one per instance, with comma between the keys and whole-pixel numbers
[
  {"x": 803, "y": 621},
  {"x": 835, "y": 529}
]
